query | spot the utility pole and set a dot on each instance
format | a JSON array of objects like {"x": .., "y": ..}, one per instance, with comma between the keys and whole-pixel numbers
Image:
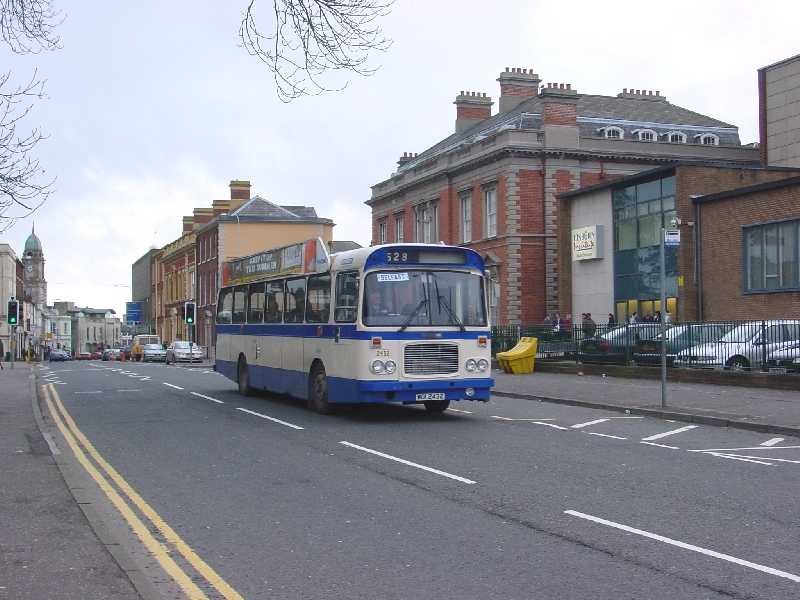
[{"x": 669, "y": 237}]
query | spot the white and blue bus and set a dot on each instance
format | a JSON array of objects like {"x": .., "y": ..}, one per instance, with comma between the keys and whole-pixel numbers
[{"x": 398, "y": 323}]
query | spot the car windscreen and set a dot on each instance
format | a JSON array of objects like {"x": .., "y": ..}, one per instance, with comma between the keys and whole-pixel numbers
[
  {"x": 181, "y": 345},
  {"x": 153, "y": 347},
  {"x": 423, "y": 299}
]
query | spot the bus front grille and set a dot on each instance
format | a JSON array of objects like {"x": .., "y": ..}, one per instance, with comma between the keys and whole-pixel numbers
[{"x": 431, "y": 359}]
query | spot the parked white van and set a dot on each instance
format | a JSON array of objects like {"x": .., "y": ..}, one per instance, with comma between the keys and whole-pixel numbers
[{"x": 743, "y": 347}]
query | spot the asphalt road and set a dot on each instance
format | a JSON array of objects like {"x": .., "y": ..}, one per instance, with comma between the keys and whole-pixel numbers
[{"x": 510, "y": 500}]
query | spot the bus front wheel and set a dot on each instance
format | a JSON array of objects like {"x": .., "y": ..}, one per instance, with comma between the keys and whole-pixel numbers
[
  {"x": 436, "y": 407},
  {"x": 243, "y": 377},
  {"x": 318, "y": 390}
]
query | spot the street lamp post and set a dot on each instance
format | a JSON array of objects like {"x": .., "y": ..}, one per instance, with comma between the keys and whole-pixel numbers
[{"x": 669, "y": 237}]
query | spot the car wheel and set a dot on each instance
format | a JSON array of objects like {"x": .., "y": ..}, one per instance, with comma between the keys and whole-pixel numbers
[
  {"x": 243, "y": 377},
  {"x": 318, "y": 390},
  {"x": 436, "y": 407},
  {"x": 738, "y": 363}
]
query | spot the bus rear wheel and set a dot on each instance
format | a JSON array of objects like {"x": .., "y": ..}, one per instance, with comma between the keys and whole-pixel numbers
[
  {"x": 243, "y": 377},
  {"x": 436, "y": 407},
  {"x": 318, "y": 390}
]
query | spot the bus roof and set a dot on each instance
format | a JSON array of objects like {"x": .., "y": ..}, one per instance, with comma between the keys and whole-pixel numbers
[{"x": 415, "y": 254}]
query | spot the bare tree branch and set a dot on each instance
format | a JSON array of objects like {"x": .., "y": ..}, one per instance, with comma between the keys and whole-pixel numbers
[
  {"x": 310, "y": 39},
  {"x": 22, "y": 190},
  {"x": 28, "y": 26}
]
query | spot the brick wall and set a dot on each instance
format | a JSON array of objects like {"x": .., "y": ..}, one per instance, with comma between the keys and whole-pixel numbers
[
  {"x": 698, "y": 181},
  {"x": 722, "y": 222},
  {"x": 473, "y": 112},
  {"x": 559, "y": 114}
]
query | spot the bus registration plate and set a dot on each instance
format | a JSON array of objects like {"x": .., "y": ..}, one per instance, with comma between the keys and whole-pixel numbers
[{"x": 431, "y": 396}]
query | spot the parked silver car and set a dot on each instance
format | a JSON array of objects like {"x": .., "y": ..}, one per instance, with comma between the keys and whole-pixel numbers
[
  {"x": 154, "y": 353},
  {"x": 180, "y": 352},
  {"x": 743, "y": 347}
]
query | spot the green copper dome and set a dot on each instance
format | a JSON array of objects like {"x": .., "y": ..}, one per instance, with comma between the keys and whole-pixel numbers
[{"x": 32, "y": 244}]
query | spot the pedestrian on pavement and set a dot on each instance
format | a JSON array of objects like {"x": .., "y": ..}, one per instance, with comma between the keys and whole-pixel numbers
[
  {"x": 634, "y": 318},
  {"x": 589, "y": 326},
  {"x": 612, "y": 321},
  {"x": 667, "y": 318},
  {"x": 2, "y": 354},
  {"x": 556, "y": 322},
  {"x": 657, "y": 317}
]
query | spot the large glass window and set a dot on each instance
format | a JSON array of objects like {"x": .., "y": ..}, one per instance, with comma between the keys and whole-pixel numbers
[
  {"x": 465, "y": 211},
  {"x": 426, "y": 230},
  {"x": 382, "y": 232},
  {"x": 239, "y": 298},
  {"x": 346, "y": 297},
  {"x": 273, "y": 312},
  {"x": 318, "y": 307},
  {"x": 771, "y": 256},
  {"x": 295, "y": 301},
  {"x": 225, "y": 306},
  {"x": 424, "y": 299},
  {"x": 255, "y": 303}
]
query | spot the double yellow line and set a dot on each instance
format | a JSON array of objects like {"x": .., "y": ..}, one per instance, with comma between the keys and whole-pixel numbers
[{"x": 81, "y": 446}]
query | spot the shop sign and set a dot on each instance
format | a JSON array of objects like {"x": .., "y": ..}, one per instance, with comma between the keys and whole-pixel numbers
[{"x": 587, "y": 242}]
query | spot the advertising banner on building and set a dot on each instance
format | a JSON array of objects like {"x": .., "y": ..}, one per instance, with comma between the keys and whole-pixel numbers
[
  {"x": 587, "y": 242},
  {"x": 310, "y": 256}
]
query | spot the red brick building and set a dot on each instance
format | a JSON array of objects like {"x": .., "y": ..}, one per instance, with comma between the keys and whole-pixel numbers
[{"x": 493, "y": 184}]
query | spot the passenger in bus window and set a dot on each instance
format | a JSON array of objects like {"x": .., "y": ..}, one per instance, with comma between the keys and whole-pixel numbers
[{"x": 375, "y": 305}]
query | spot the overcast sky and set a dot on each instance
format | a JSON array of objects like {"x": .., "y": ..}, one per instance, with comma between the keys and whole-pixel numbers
[{"x": 153, "y": 107}]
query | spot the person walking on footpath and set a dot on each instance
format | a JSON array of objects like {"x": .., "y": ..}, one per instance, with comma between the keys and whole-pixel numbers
[
  {"x": 612, "y": 321},
  {"x": 2, "y": 354},
  {"x": 589, "y": 326}
]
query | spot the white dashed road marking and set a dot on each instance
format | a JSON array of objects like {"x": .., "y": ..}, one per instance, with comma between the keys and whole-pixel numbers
[
  {"x": 658, "y": 436},
  {"x": 408, "y": 462},
  {"x": 268, "y": 418},
  {"x": 685, "y": 546},
  {"x": 207, "y": 397},
  {"x": 177, "y": 387},
  {"x": 772, "y": 442}
]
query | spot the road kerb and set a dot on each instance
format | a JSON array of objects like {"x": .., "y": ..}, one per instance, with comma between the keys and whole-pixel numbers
[{"x": 688, "y": 417}]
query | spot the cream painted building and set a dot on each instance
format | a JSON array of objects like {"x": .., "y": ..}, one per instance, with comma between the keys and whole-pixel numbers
[{"x": 779, "y": 112}]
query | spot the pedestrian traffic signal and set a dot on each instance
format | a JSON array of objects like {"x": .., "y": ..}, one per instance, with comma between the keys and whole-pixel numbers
[
  {"x": 13, "y": 312},
  {"x": 189, "y": 310}
]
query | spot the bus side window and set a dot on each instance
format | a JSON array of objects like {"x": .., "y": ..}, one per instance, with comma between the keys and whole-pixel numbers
[
  {"x": 346, "y": 297},
  {"x": 255, "y": 311},
  {"x": 239, "y": 300},
  {"x": 274, "y": 302},
  {"x": 295, "y": 301},
  {"x": 225, "y": 306},
  {"x": 318, "y": 307}
]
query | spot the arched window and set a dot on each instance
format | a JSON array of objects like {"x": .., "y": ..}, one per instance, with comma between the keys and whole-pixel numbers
[
  {"x": 612, "y": 132},
  {"x": 645, "y": 135},
  {"x": 707, "y": 139},
  {"x": 676, "y": 137}
]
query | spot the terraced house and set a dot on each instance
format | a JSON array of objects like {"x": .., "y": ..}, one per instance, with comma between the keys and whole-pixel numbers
[{"x": 493, "y": 184}]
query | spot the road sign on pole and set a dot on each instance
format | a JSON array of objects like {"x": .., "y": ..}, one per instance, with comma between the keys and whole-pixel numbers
[{"x": 133, "y": 312}]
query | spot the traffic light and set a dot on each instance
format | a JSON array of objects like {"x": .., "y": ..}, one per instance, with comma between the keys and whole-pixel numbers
[
  {"x": 13, "y": 312},
  {"x": 189, "y": 310}
]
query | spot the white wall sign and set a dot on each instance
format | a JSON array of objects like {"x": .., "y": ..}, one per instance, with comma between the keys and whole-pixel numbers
[{"x": 587, "y": 242}]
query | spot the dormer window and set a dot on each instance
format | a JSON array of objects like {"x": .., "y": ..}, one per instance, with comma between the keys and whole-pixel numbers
[
  {"x": 676, "y": 137},
  {"x": 645, "y": 135},
  {"x": 707, "y": 139},
  {"x": 612, "y": 132}
]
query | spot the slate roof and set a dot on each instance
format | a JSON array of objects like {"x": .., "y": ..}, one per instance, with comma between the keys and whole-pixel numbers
[
  {"x": 628, "y": 113},
  {"x": 258, "y": 208}
]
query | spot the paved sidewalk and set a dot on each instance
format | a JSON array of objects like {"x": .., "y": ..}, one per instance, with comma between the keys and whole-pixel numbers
[
  {"x": 761, "y": 409},
  {"x": 47, "y": 547}
]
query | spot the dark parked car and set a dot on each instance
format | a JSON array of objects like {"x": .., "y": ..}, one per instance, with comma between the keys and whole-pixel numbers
[
  {"x": 647, "y": 351},
  {"x": 617, "y": 345},
  {"x": 111, "y": 353}
]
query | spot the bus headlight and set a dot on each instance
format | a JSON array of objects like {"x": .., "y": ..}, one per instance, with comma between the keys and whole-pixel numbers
[
  {"x": 377, "y": 366},
  {"x": 471, "y": 365},
  {"x": 483, "y": 365},
  {"x": 390, "y": 366}
]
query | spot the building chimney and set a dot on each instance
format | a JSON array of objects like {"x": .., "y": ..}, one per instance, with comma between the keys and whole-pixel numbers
[
  {"x": 516, "y": 86},
  {"x": 560, "y": 104},
  {"x": 188, "y": 224},
  {"x": 405, "y": 159},
  {"x": 472, "y": 108},
  {"x": 240, "y": 190},
  {"x": 642, "y": 95}
]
